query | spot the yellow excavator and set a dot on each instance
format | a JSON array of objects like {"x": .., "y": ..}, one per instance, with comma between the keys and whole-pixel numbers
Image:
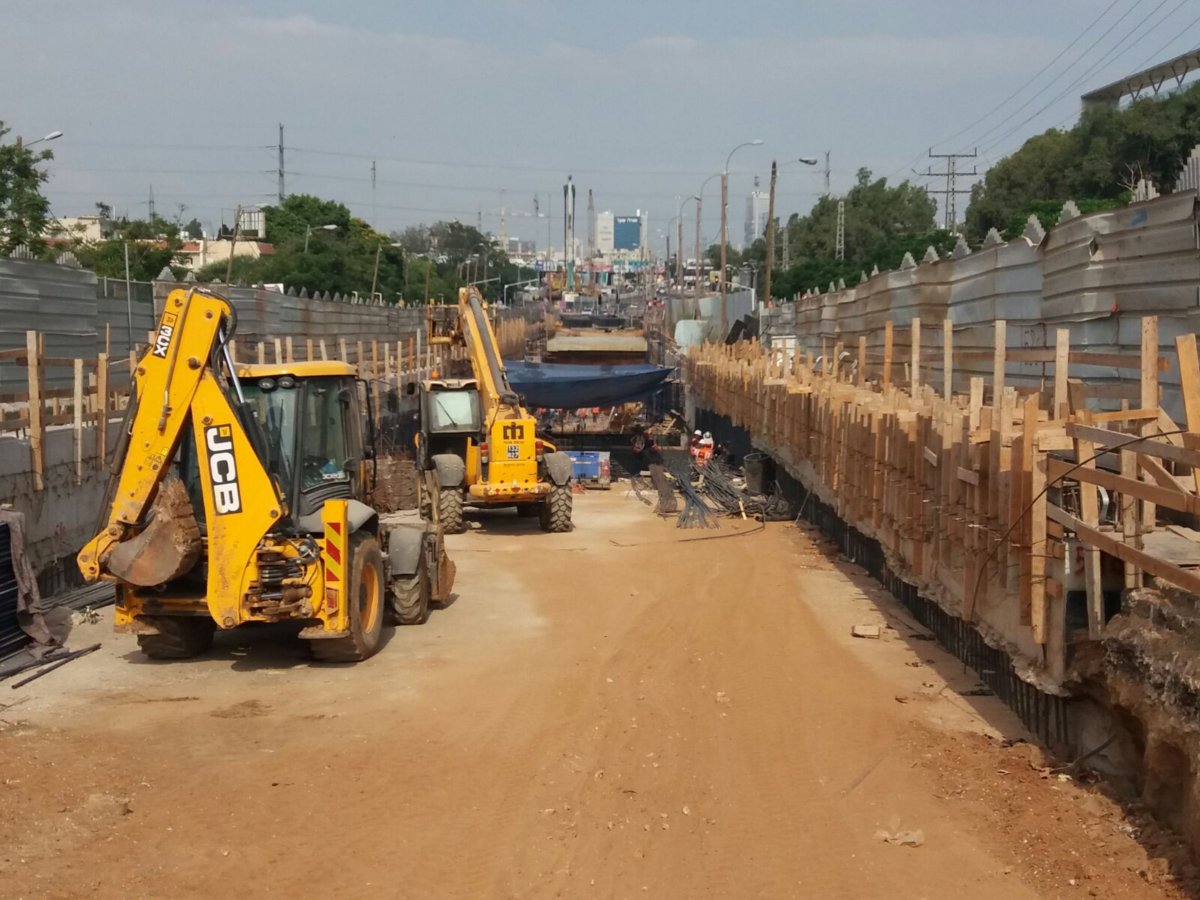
[
  {"x": 238, "y": 495},
  {"x": 477, "y": 445}
]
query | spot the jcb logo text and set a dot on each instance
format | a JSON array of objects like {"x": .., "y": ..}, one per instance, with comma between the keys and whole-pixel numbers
[
  {"x": 514, "y": 432},
  {"x": 162, "y": 340},
  {"x": 222, "y": 466}
]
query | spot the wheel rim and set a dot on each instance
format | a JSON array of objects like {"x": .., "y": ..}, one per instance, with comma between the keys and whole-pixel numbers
[{"x": 368, "y": 598}]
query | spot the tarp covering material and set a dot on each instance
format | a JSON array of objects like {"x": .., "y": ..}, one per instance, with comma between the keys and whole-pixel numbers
[{"x": 557, "y": 386}]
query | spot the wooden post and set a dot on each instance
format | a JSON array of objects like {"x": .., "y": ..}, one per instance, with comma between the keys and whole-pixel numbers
[
  {"x": 343, "y": 355},
  {"x": 889, "y": 337},
  {"x": 291, "y": 356},
  {"x": 1149, "y": 397},
  {"x": 915, "y": 353},
  {"x": 999, "y": 353},
  {"x": 36, "y": 434},
  {"x": 308, "y": 349},
  {"x": 324, "y": 352},
  {"x": 947, "y": 359},
  {"x": 1062, "y": 365},
  {"x": 862, "y": 360},
  {"x": 262, "y": 353},
  {"x": 278, "y": 350},
  {"x": 77, "y": 423},
  {"x": 1090, "y": 511},
  {"x": 102, "y": 411}
]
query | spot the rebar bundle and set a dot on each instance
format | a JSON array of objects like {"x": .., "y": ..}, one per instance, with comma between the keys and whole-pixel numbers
[
  {"x": 696, "y": 512},
  {"x": 720, "y": 484}
]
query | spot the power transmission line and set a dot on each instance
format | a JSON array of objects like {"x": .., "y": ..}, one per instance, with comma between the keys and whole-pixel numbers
[
  {"x": 1108, "y": 57},
  {"x": 908, "y": 165},
  {"x": 998, "y": 125}
]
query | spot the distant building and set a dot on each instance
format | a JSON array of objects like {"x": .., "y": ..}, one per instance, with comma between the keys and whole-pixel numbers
[
  {"x": 195, "y": 255},
  {"x": 757, "y": 206},
  {"x": 604, "y": 233},
  {"x": 627, "y": 232},
  {"x": 88, "y": 229}
]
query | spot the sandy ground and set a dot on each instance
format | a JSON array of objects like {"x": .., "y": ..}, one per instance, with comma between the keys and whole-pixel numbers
[{"x": 629, "y": 710}]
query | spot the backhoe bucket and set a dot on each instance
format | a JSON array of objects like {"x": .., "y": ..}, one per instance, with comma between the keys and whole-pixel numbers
[{"x": 168, "y": 546}]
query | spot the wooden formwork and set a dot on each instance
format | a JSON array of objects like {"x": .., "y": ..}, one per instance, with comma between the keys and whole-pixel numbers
[{"x": 977, "y": 496}]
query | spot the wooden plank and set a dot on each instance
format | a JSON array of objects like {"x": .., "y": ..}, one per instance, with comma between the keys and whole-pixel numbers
[
  {"x": 1037, "y": 550},
  {"x": 262, "y": 353},
  {"x": 947, "y": 360},
  {"x": 1108, "y": 440},
  {"x": 889, "y": 338},
  {"x": 324, "y": 352},
  {"x": 1163, "y": 496},
  {"x": 77, "y": 421},
  {"x": 1023, "y": 466},
  {"x": 1189, "y": 379},
  {"x": 967, "y": 475},
  {"x": 308, "y": 349},
  {"x": 862, "y": 361},
  {"x": 1062, "y": 355},
  {"x": 1187, "y": 579},
  {"x": 36, "y": 431},
  {"x": 914, "y": 374},
  {"x": 102, "y": 407},
  {"x": 999, "y": 351},
  {"x": 1149, "y": 380},
  {"x": 289, "y": 349}
]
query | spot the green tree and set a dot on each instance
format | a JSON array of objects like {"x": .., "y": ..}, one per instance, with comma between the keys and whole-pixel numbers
[
  {"x": 153, "y": 244},
  {"x": 882, "y": 223},
  {"x": 1095, "y": 163},
  {"x": 24, "y": 211},
  {"x": 194, "y": 229}
]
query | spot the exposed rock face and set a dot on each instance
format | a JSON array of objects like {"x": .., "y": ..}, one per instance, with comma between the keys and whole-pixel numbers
[{"x": 1151, "y": 668}]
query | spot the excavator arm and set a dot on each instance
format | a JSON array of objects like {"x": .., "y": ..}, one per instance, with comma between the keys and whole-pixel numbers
[
  {"x": 148, "y": 532},
  {"x": 484, "y": 353}
]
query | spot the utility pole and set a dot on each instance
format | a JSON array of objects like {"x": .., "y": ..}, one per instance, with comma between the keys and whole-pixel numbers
[
  {"x": 374, "y": 205},
  {"x": 151, "y": 214},
  {"x": 787, "y": 248},
  {"x": 279, "y": 171},
  {"x": 951, "y": 174},
  {"x": 699, "y": 262},
  {"x": 771, "y": 231},
  {"x": 724, "y": 242},
  {"x": 678, "y": 251},
  {"x": 826, "y": 173},
  {"x": 839, "y": 240}
]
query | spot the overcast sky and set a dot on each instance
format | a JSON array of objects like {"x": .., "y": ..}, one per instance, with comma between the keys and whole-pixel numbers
[{"x": 477, "y": 105}]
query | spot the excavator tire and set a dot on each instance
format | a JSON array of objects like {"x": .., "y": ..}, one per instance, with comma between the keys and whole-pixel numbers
[
  {"x": 179, "y": 637},
  {"x": 556, "y": 509},
  {"x": 450, "y": 511},
  {"x": 412, "y": 595},
  {"x": 366, "y": 606}
]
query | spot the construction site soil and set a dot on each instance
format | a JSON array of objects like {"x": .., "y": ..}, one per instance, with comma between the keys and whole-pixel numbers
[{"x": 628, "y": 710}]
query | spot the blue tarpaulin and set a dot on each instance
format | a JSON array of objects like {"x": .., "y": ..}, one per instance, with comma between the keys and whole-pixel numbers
[{"x": 558, "y": 386}]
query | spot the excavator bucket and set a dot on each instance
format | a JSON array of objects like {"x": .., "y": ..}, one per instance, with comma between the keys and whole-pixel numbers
[{"x": 167, "y": 547}]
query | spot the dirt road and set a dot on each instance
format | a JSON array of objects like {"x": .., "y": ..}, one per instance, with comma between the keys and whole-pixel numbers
[{"x": 624, "y": 711}]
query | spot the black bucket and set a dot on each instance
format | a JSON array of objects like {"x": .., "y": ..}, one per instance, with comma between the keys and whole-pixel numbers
[{"x": 759, "y": 469}]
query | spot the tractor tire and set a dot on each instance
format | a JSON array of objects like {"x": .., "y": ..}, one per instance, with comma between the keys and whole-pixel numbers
[
  {"x": 556, "y": 510},
  {"x": 179, "y": 637},
  {"x": 411, "y": 596},
  {"x": 365, "y": 588},
  {"x": 450, "y": 511}
]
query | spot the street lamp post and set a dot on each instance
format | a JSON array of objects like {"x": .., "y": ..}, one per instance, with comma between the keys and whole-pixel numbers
[
  {"x": 725, "y": 232},
  {"x": 679, "y": 260},
  {"x": 806, "y": 160},
  {"x": 699, "y": 204},
  {"x": 52, "y": 136},
  {"x": 309, "y": 229}
]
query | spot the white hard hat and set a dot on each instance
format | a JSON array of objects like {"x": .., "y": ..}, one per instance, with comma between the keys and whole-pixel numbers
[
  {"x": 708, "y": 435},
  {"x": 696, "y": 432}
]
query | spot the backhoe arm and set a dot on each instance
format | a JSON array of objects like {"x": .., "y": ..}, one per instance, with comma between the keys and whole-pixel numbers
[
  {"x": 484, "y": 353},
  {"x": 164, "y": 386}
]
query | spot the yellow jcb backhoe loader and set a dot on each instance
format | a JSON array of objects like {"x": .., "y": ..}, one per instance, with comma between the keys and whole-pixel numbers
[
  {"x": 478, "y": 445},
  {"x": 237, "y": 495}
]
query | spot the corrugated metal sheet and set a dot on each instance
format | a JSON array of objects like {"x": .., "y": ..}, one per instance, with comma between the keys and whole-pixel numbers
[
  {"x": 1095, "y": 275},
  {"x": 59, "y": 301}
]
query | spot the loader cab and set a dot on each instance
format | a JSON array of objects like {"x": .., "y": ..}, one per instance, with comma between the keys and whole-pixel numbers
[{"x": 451, "y": 416}]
